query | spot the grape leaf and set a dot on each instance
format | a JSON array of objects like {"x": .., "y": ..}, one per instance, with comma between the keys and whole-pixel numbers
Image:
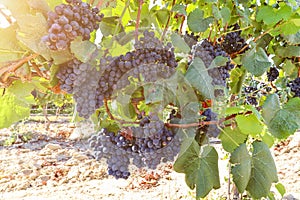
[
  {"x": 280, "y": 188},
  {"x": 237, "y": 76},
  {"x": 226, "y": 15},
  {"x": 287, "y": 120},
  {"x": 83, "y": 50},
  {"x": 256, "y": 61},
  {"x": 196, "y": 22},
  {"x": 231, "y": 138},
  {"x": 289, "y": 67},
  {"x": 200, "y": 167},
  {"x": 288, "y": 52},
  {"x": 293, "y": 38},
  {"x": 270, "y": 107},
  {"x": 15, "y": 103},
  {"x": 241, "y": 169},
  {"x": 198, "y": 77},
  {"x": 9, "y": 47},
  {"x": 263, "y": 172},
  {"x": 179, "y": 8},
  {"x": 249, "y": 124},
  {"x": 179, "y": 43}
]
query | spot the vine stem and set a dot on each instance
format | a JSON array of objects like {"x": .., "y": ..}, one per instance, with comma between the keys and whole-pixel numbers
[
  {"x": 107, "y": 109},
  {"x": 13, "y": 66},
  {"x": 168, "y": 22},
  {"x": 299, "y": 67},
  {"x": 138, "y": 19},
  {"x": 99, "y": 3}
]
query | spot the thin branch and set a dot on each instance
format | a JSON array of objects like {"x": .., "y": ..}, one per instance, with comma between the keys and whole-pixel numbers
[
  {"x": 108, "y": 110},
  {"x": 99, "y": 4},
  {"x": 181, "y": 24},
  {"x": 167, "y": 25},
  {"x": 138, "y": 19},
  {"x": 13, "y": 66}
]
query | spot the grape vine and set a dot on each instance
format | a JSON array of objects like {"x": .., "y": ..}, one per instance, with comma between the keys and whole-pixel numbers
[{"x": 162, "y": 81}]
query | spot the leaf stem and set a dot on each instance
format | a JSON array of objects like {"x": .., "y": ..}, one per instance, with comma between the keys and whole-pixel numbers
[
  {"x": 168, "y": 22},
  {"x": 107, "y": 109},
  {"x": 138, "y": 19}
]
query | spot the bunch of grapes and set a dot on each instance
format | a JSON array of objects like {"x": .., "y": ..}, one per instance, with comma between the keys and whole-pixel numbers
[
  {"x": 76, "y": 18},
  {"x": 272, "y": 74},
  {"x": 211, "y": 130},
  {"x": 251, "y": 95},
  {"x": 151, "y": 59},
  {"x": 207, "y": 52},
  {"x": 80, "y": 79},
  {"x": 233, "y": 42},
  {"x": 295, "y": 86},
  {"x": 147, "y": 145}
]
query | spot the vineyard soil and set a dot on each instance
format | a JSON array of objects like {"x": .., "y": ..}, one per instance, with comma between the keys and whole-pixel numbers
[{"x": 48, "y": 165}]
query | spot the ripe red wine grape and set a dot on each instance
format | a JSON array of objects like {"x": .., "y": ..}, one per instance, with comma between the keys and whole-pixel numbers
[
  {"x": 76, "y": 18},
  {"x": 272, "y": 74},
  {"x": 211, "y": 130},
  {"x": 295, "y": 86}
]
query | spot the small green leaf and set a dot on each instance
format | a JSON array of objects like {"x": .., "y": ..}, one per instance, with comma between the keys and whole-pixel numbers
[
  {"x": 280, "y": 188},
  {"x": 287, "y": 120},
  {"x": 197, "y": 76},
  {"x": 263, "y": 172},
  {"x": 179, "y": 43},
  {"x": 231, "y": 138},
  {"x": 270, "y": 107},
  {"x": 289, "y": 67},
  {"x": 241, "y": 169},
  {"x": 288, "y": 52},
  {"x": 226, "y": 15},
  {"x": 237, "y": 76},
  {"x": 256, "y": 61},
  {"x": 293, "y": 38},
  {"x": 196, "y": 22},
  {"x": 190, "y": 112},
  {"x": 200, "y": 168},
  {"x": 179, "y": 8},
  {"x": 83, "y": 50},
  {"x": 249, "y": 124},
  {"x": 162, "y": 16},
  {"x": 218, "y": 61}
]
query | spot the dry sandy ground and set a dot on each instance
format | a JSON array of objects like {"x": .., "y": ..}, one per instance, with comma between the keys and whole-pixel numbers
[{"x": 50, "y": 166}]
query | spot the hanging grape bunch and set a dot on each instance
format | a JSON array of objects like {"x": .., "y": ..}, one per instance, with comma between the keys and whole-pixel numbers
[
  {"x": 207, "y": 52},
  {"x": 272, "y": 74},
  {"x": 150, "y": 58},
  {"x": 295, "y": 86},
  {"x": 233, "y": 42},
  {"x": 190, "y": 39},
  {"x": 76, "y": 18},
  {"x": 146, "y": 145}
]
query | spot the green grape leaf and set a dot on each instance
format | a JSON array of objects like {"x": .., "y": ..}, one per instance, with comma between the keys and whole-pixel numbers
[
  {"x": 179, "y": 8},
  {"x": 196, "y": 22},
  {"x": 216, "y": 12},
  {"x": 288, "y": 52},
  {"x": 226, "y": 15},
  {"x": 249, "y": 124},
  {"x": 270, "y": 107},
  {"x": 267, "y": 15},
  {"x": 232, "y": 138},
  {"x": 40, "y": 5},
  {"x": 15, "y": 103},
  {"x": 198, "y": 77},
  {"x": 264, "y": 41},
  {"x": 237, "y": 76},
  {"x": 293, "y": 38},
  {"x": 83, "y": 50},
  {"x": 263, "y": 172},
  {"x": 162, "y": 15},
  {"x": 179, "y": 43},
  {"x": 289, "y": 67},
  {"x": 280, "y": 188},
  {"x": 218, "y": 61},
  {"x": 256, "y": 61},
  {"x": 200, "y": 167},
  {"x": 241, "y": 169},
  {"x": 287, "y": 120},
  {"x": 190, "y": 112},
  {"x": 9, "y": 47}
]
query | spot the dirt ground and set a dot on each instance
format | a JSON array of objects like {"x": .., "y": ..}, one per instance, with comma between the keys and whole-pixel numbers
[{"x": 57, "y": 163}]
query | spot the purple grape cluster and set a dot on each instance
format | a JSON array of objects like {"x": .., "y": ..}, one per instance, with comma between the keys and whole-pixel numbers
[
  {"x": 211, "y": 130},
  {"x": 233, "y": 42},
  {"x": 151, "y": 59},
  {"x": 146, "y": 146},
  {"x": 295, "y": 86},
  {"x": 207, "y": 52},
  {"x": 272, "y": 74},
  {"x": 81, "y": 80},
  {"x": 76, "y": 18},
  {"x": 251, "y": 95}
]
